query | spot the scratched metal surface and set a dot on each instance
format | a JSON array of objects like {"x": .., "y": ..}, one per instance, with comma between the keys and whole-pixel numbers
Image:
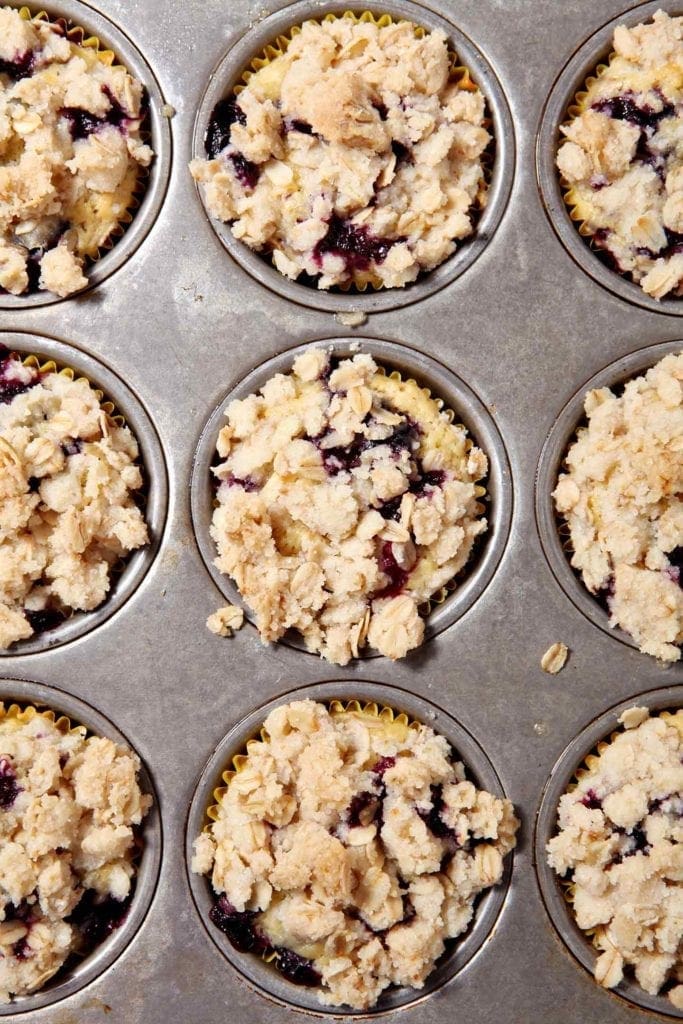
[{"x": 180, "y": 324}]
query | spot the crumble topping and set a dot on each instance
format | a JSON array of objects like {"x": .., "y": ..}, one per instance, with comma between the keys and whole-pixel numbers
[
  {"x": 620, "y": 840},
  {"x": 353, "y": 847},
  {"x": 68, "y": 807},
  {"x": 354, "y": 157},
  {"x": 621, "y": 495},
  {"x": 225, "y": 621},
  {"x": 555, "y": 658},
  {"x": 346, "y": 498},
  {"x": 68, "y": 476},
  {"x": 622, "y": 160},
  {"x": 70, "y": 154}
]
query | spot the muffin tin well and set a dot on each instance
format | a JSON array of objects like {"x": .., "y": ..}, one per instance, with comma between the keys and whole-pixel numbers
[
  {"x": 76, "y": 974},
  {"x": 456, "y": 396},
  {"x": 560, "y": 911},
  {"x": 227, "y": 74},
  {"x": 154, "y": 493},
  {"x": 549, "y": 521},
  {"x": 155, "y": 182},
  {"x": 583, "y": 63},
  {"x": 488, "y": 907}
]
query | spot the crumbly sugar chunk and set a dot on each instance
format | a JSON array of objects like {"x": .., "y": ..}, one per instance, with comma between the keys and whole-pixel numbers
[
  {"x": 225, "y": 621},
  {"x": 621, "y": 158},
  {"x": 342, "y": 824},
  {"x": 70, "y": 154},
  {"x": 353, "y": 157},
  {"x": 69, "y": 804},
  {"x": 621, "y": 497},
  {"x": 346, "y": 499},
  {"x": 68, "y": 477},
  {"x": 621, "y": 838}
]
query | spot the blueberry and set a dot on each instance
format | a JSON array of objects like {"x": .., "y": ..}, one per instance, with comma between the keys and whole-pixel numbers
[
  {"x": 383, "y": 765},
  {"x": 238, "y": 926},
  {"x": 44, "y": 620},
  {"x": 296, "y": 968},
  {"x": 9, "y": 790},
  {"x": 591, "y": 800},
  {"x": 224, "y": 115},
  {"x": 96, "y": 918},
  {"x": 20, "y": 67},
  {"x": 247, "y": 172},
  {"x": 356, "y": 245},
  {"x": 390, "y": 567}
]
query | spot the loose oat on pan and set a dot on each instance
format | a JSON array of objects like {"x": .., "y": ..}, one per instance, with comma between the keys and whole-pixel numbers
[
  {"x": 622, "y": 159},
  {"x": 70, "y": 154},
  {"x": 354, "y": 157},
  {"x": 68, "y": 476},
  {"x": 353, "y": 846},
  {"x": 68, "y": 809},
  {"x": 620, "y": 840},
  {"x": 346, "y": 499},
  {"x": 622, "y": 496}
]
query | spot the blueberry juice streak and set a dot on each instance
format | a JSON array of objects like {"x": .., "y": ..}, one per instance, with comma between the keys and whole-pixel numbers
[
  {"x": 355, "y": 244},
  {"x": 82, "y": 123}
]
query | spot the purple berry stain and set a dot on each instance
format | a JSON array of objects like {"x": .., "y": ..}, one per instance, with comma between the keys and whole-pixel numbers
[
  {"x": 225, "y": 114},
  {"x": 295, "y": 968},
  {"x": 591, "y": 800},
  {"x": 238, "y": 926},
  {"x": 383, "y": 765},
  {"x": 355, "y": 244},
  {"x": 247, "y": 173},
  {"x": 9, "y": 790},
  {"x": 390, "y": 567},
  {"x": 97, "y": 918},
  {"x": 82, "y": 123},
  {"x": 11, "y": 385},
  {"x": 432, "y": 817},
  {"x": 21, "y": 949},
  {"x": 21, "y": 67}
]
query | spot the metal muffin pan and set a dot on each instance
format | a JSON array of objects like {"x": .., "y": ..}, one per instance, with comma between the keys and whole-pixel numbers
[
  {"x": 111, "y": 37},
  {"x": 182, "y": 324},
  {"x": 75, "y": 976},
  {"x": 456, "y": 396},
  {"x": 479, "y": 769},
  {"x": 229, "y": 72}
]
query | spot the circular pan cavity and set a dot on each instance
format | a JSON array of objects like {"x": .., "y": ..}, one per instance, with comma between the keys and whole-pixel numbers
[
  {"x": 561, "y": 435},
  {"x": 152, "y": 460},
  {"x": 581, "y": 64},
  {"x": 73, "y": 977},
  {"x": 151, "y": 200},
  {"x": 265, "y": 977},
  {"x": 227, "y": 74},
  {"x": 444, "y": 384},
  {"x": 557, "y": 907}
]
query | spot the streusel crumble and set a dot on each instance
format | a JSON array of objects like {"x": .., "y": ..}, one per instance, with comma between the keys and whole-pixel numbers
[
  {"x": 353, "y": 847},
  {"x": 622, "y": 160},
  {"x": 353, "y": 157},
  {"x": 346, "y": 499},
  {"x": 621, "y": 495},
  {"x": 69, "y": 804},
  {"x": 620, "y": 840},
  {"x": 68, "y": 477},
  {"x": 70, "y": 154}
]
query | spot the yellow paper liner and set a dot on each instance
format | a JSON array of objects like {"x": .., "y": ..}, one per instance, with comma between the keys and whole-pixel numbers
[
  {"x": 78, "y": 36},
  {"x": 587, "y": 765},
  {"x": 459, "y": 73},
  {"x": 114, "y": 417},
  {"x": 444, "y": 592}
]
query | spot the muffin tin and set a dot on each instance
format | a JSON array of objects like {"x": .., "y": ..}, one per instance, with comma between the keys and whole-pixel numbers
[{"x": 514, "y": 339}]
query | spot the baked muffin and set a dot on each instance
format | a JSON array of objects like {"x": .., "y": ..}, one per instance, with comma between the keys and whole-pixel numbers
[
  {"x": 352, "y": 847},
  {"x": 69, "y": 806},
  {"x": 68, "y": 482},
  {"x": 622, "y": 160},
  {"x": 346, "y": 499},
  {"x": 354, "y": 157},
  {"x": 620, "y": 840},
  {"x": 622, "y": 496},
  {"x": 70, "y": 154}
]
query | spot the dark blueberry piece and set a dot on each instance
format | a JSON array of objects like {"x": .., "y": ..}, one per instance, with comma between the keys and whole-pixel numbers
[
  {"x": 9, "y": 790},
  {"x": 82, "y": 123},
  {"x": 603, "y": 251},
  {"x": 246, "y": 482},
  {"x": 400, "y": 151},
  {"x": 592, "y": 800},
  {"x": 23, "y": 912},
  {"x": 238, "y": 926},
  {"x": 34, "y": 484},
  {"x": 21, "y": 949},
  {"x": 295, "y": 125},
  {"x": 383, "y": 765},
  {"x": 356, "y": 245},
  {"x": 247, "y": 172},
  {"x": 640, "y": 843},
  {"x": 625, "y": 108},
  {"x": 391, "y": 509},
  {"x": 434, "y": 478},
  {"x": 97, "y": 918},
  {"x": 674, "y": 243},
  {"x": 21, "y": 67},
  {"x": 44, "y": 620},
  {"x": 73, "y": 447},
  {"x": 390, "y": 567},
  {"x": 432, "y": 817},
  {"x": 381, "y": 109},
  {"x": 223, "y": 117},
  {"x": 296, "y": 968},
  {"x": 358, "y": 804}
]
